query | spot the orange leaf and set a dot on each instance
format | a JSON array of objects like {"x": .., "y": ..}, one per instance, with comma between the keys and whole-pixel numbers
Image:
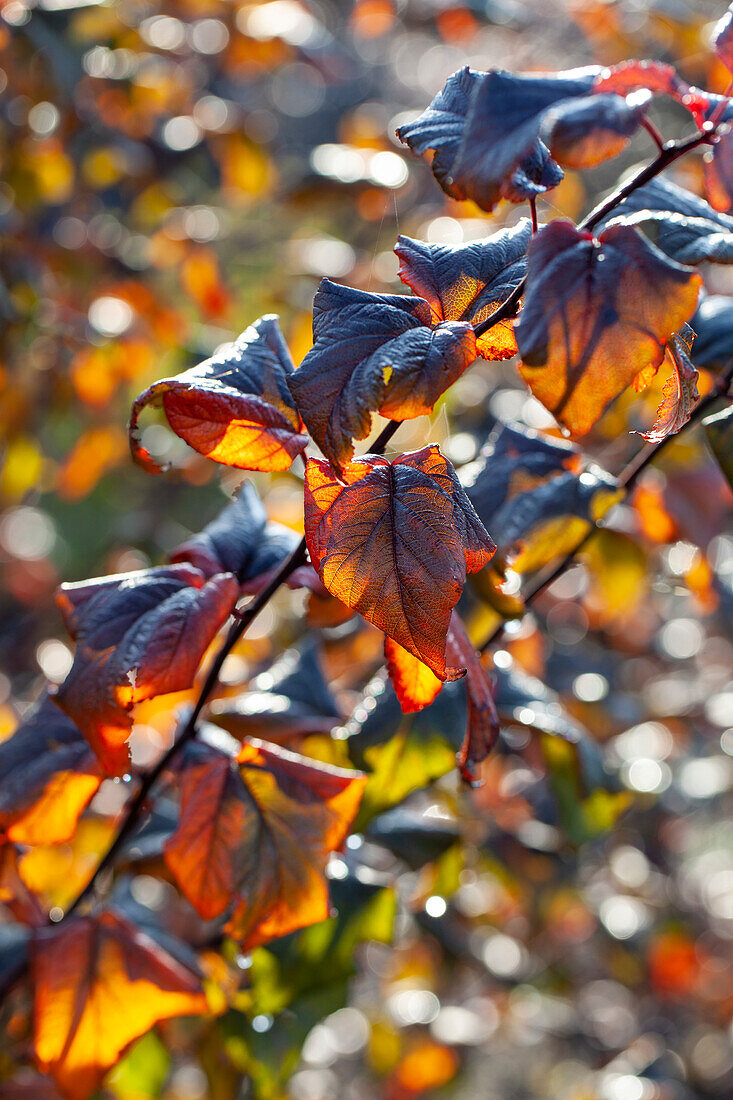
[
  {"x": 415, "y": 684},
  {"x": 257, "y": 832},
  {"x": 374, "y": 353},
  {"x": 394, "y": 541},
  {"x": 49, "y": 775},
  {"x": 234, "y": 408},
  {"x": 416, "y": 687},
  {"x": 100, "y": 984},
  {"x": 468, "y": 282},
  {"x": 597, "y": 313},
  {"x": 138, "y": 635},
  {"x": 679, "y": 395}
]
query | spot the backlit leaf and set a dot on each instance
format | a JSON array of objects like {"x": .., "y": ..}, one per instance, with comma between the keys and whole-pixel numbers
[
  {"x": 678, "y": 222},
  {"x": 713, "y": 324},
  {"x": 394, "y": 541},
  {"x": 374, "y": 353},
  {"x": 291, "y": 698},
  {"x": 597, "y": 312},
  {"x": 234, "y": 408},
  {"x": 654, "y": 76},
  {"x": 99, "y": 984},
  {"x": 241, "y": 540},
  {"x": 416, "y": 686},
  {"x": 530, "y": 489},
  {"x": 581, "y": 133},
  {"x": 138, "y": 635},
  {"x": 679, "y": 396},
  {"x": 49, "y": 774},
  {"x": 468, "y": 282},
  {"x": 256, "y": 833},
  {"x": 718, "y": 170},
  {"x": 485, "y": 127}
]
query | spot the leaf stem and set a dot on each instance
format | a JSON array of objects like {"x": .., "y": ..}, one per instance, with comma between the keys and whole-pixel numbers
[{"x": 667, "y": 155}]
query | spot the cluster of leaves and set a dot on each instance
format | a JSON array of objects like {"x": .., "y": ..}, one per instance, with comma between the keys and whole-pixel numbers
[{"x": 248, "y": 828}]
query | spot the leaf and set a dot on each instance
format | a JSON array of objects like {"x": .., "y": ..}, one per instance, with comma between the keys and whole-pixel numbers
[
  {"x": 581, "y": 133},
  {"x": 15, "y": 895},
  {"x": 394, "y": 541},
  {"x": 678, "y": 222},
  {"x": 723, "y": 38},
  {"x": 414, "y": 837},
  {"x": 99, "y": 984},
  {"x": 256, "y": 832},
  {"x": 719, "y": 432},
  {"x": 290, "y": 699},
  {"x": 241, "y": 540},
  {"x": 531, "y": 488},
  {"x": 469, "y": 282},
  {"x": 597, "y": 312},
  {"x": 415, "y": 684},
  {"x": 657, "y": 77},
  {"x": 503, "y": 123},
  {"x": 49, "y": 776},
  {"x": 679, "y": 396},
  {"x": 618, "y": 573},
  {"x": 416, "y": 687},
  {"x": 718, "y": 173},
  {"x": 373, "y": 353},
  {"x": 482, "y": 727},
  {"x": 485, "y": 130},
  {"x": 234, "y": 408},
  {"x": 713, "y": 324},
  {"x": 403, "y": 753},
  {"x": 138, "y": 635}
]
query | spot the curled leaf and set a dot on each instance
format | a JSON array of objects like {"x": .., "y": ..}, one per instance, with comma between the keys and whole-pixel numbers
[
  {"x": 394, "y": 541},
  {"x": 374, "y": 353},
  {"x": 469, "y": 282},
  {"x": 99, "y": 984},
  {"x": 138, "y": 635},
  {"x": 255, "y": 833},
  {"x": 49, "y": 776},
  {"x": 597, "y": 312},
  {"x": 582, "y": 133},
  {"x": 243, "y": 541},
  {"x": 234, "y": 408},
  {"x": 485, "y": 130},
  {"x": 679, "y": 396}
]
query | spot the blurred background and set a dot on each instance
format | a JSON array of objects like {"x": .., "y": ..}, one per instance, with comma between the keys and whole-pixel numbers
[{"x": 170, "y": 172}]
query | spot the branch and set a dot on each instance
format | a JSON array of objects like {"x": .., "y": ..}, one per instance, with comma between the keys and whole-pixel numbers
[
  {"x": 627, "y": 480},
  {"x": 668, "y": 154}
]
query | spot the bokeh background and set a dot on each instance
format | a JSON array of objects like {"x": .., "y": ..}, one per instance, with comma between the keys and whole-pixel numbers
[{"x": 169, "y": 172}]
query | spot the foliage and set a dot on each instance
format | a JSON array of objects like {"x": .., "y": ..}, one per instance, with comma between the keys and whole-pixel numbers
[{"x": 476, "y": 709}]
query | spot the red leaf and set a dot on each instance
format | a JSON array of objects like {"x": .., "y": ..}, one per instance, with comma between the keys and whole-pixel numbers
[
  {"x": 138, "y": 635},
  {"x": 679, "y": 395},
  {"x": 256, "y": 833},
  {"x": 373, "y": 353},
  {"x": 234, "y": 408},
  {"x": 49, "y": 776},
  {"x": 468, "y": 282},
  {"x": 582, "y": 133},
  {"x": 596, "y": 314},
  {"x": 100, "y": 984},
  {"x": 394, "y": 541}
]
